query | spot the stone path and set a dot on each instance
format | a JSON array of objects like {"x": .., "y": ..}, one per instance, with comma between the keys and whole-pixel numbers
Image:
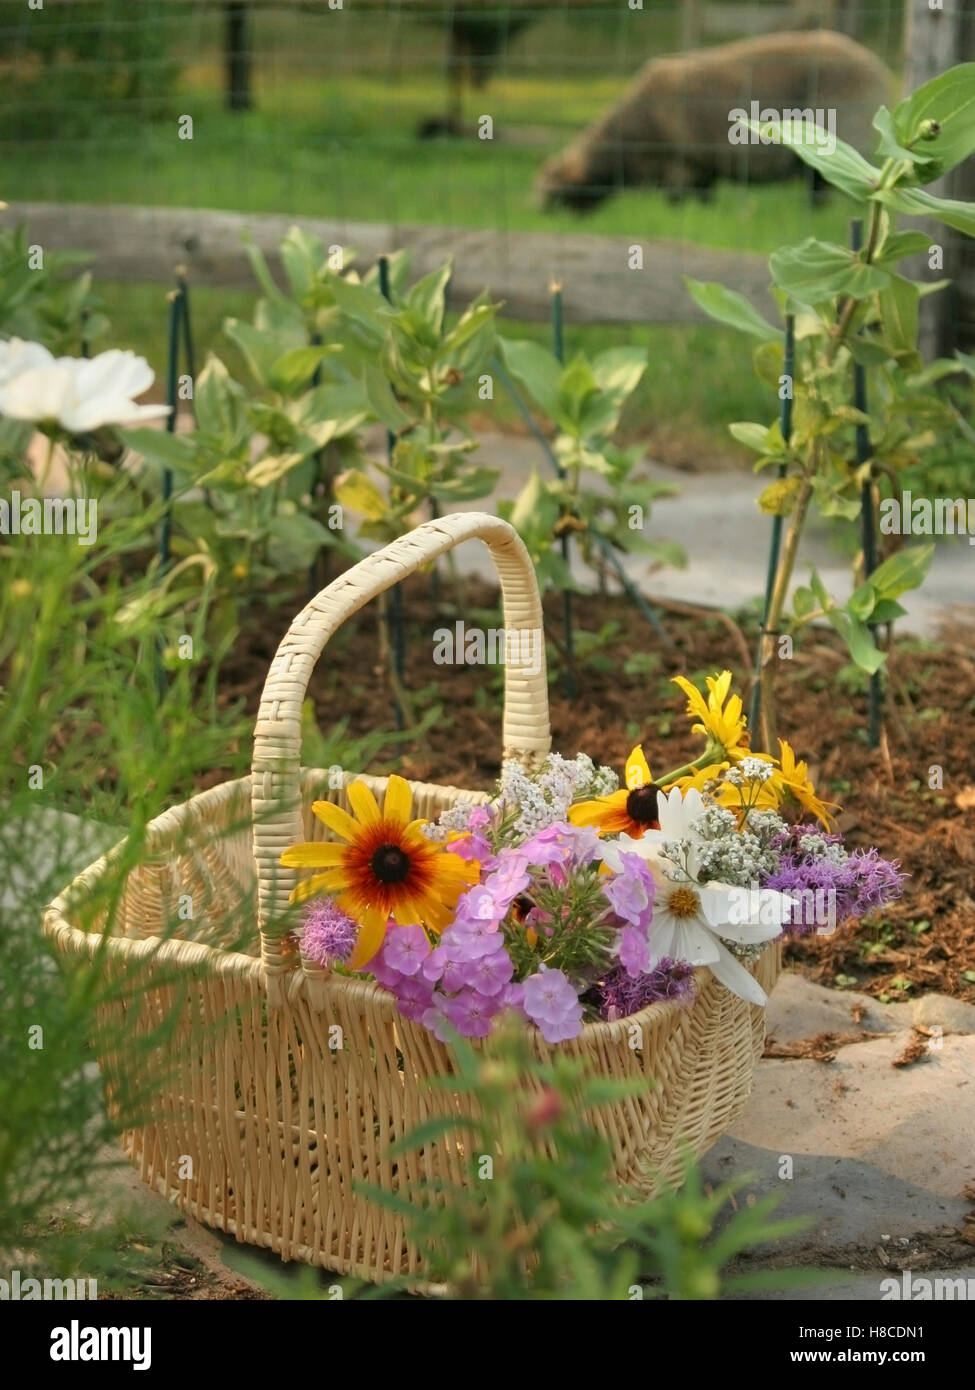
[{"x": 714, "y": 517}]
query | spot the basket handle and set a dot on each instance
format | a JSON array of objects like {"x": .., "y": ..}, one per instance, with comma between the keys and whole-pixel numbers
[{"x": 275, "y": 770}]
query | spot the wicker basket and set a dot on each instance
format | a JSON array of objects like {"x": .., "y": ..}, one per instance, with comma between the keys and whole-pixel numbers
[{"x": 278, "y": 1120}]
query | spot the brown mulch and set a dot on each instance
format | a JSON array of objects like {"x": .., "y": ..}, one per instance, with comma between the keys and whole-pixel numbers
[{"x": 924, "y": 943}]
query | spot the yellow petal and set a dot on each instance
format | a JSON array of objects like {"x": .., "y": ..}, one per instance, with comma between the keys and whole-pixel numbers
[
  {"x": 313, "y": 855},
  {"x": 363, "y": 803},
  {"x": 595, "y": 812},
  {"x": 695, "y": 700},
  {"x": 372, "y": 930},
  {"x": 398, "y": 801},
  {"x": 308, "y": 888},
  {"x": 719, "y": 686},
  {"x": 337, "y": 820},
  {"x": 638, "y": 772}
]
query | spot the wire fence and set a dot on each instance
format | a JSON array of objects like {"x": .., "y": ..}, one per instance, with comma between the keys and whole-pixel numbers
[
  {"x": 445, "y": 113},
  {"x": 326, "y": 98}
]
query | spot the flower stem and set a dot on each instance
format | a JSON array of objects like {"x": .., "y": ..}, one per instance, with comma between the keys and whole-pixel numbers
[
  {"x": 46, "y": 469},
  {"x": 708, "y": 756}
]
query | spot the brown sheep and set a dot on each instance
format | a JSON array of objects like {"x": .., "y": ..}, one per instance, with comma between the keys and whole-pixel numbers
[{"x": 670, "y": 129}]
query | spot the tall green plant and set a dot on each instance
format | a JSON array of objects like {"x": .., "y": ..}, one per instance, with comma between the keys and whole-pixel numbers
[{"x": 854, "y": 307}]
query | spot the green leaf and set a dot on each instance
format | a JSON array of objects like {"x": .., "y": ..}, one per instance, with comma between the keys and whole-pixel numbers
[
  {"x": 471, "y": 484},
  {"x": 293, "y": 371},
  {"x": 217, "y": 401},
  {"x": 273, "y": 467},
  {"x": 901, "y": 244},
  {"x": 535, "y": 511},
  {"x": 294, "y": 540},
  {"x": 259, "y": 266},
  {"x": 949, "y": 101},
  {"x": 353, "y": 489},
  {"x": 819, "y": 589},
  {"x": 862, "y": 601},
  {"x": 731, "y": 308},
  {"x": 537, "y": 370},
  {"x": 905, "y": 569},
  {"x": 618, "y": 371},
  {"x": 886, "y": 610},
  {"x": 260, "y": 348},
  {"x": 428, "y": 296},
  {"x": 871, "y": 352},
  {"x": 577, "y": 384},
  {"x": 364, "y": 305},
  {"x": 842, "y": 167},
  {"x": 803, "y": 601},
  {"x": 752, "y": 435},
  {"x": 858, "y": 639},
  {"x": 779, "y": 498},
  {"x": 384, "y": 404},
  {"x": 919, "y": 203},
  {"x": 816, "y": 271},
  {"x": 159, "y": 446},
  {"x": 898, "y": 303},
  {"x": 890, "y": 146},
  {"x": 343, "y": 403},
  {"x": 301, "y": 255}
]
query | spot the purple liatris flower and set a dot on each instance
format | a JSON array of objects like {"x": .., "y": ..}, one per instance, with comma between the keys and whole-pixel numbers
[
  {"x": 827, "y": 883},
  {"x": 329, "y": 935},
  {"x": 552, "y": 1003},
  {"x": 619, "y": 994}
]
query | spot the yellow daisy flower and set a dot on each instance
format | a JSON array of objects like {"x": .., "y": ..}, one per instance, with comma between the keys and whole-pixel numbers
[
  {"x": 385, "y": 868},
  {"x": 630, "y": 811},
  {"x": 722, "y": 723},
  {"x": 791, "y": 781}
]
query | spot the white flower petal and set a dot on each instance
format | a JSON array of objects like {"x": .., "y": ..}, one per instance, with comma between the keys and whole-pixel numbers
[
  {"x": 39, "y": 393},
  {"x": 735, "y": 913},
  {"x": 18, "y": 355},
  {"x": 733, "y": 975}
]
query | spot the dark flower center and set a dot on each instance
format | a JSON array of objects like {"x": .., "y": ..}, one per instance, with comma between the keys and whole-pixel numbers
[
  {"x": 390, "y": 864},
  {"x": 641, "y": 806}
]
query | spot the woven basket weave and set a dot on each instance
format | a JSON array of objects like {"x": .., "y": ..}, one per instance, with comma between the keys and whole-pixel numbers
[{"x": 278, "y": 1113}]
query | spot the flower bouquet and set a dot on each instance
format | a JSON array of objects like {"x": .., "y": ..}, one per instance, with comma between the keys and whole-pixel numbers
[{"x": 570, "y": 899}]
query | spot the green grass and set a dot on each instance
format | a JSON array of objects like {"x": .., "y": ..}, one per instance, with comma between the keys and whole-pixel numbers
[{"x": 358, "y": 159}]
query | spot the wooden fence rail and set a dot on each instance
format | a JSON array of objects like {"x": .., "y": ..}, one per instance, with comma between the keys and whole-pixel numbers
[{"x": 145, "y": 243}]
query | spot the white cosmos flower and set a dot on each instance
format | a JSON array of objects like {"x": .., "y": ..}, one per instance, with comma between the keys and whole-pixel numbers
[
  {"x": 690, "y": 918},
  {"x": 78, "y": 393}
]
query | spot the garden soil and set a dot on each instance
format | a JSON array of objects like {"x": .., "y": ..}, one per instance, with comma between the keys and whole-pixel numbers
[{"x": 914, "y": 798}]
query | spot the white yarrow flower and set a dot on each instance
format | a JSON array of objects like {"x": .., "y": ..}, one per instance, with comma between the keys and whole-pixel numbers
[{"x": 77, "y": 393}]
